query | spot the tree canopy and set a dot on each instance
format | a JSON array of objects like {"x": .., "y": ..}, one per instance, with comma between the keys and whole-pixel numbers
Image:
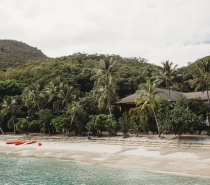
[{"x": 79, "y": 92}]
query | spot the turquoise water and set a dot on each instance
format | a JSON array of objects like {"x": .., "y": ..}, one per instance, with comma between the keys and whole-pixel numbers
[{"x": 31, "y": 171}]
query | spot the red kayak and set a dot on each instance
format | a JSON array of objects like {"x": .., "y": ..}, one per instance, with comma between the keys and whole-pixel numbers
[
  {"x": 31, "y": 142},
  {"x": 20, "y": 143},
  {"x": 13, "y": 142}
]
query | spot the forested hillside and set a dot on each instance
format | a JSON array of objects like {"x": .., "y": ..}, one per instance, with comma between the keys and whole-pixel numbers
[
  {"x": 14, "y": 53},
  {"x": 79, "y": 92}
]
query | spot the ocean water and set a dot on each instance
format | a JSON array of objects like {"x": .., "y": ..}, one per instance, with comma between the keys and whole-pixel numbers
[{"x": 32, "y": 171}]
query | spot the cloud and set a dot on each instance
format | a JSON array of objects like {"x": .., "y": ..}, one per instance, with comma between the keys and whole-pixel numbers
[{"x": 174, "y": 30}]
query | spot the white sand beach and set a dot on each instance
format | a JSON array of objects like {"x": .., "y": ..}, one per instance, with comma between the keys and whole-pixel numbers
[{"x": 187, "y": 157}]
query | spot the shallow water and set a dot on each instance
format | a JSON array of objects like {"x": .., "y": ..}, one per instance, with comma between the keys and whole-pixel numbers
[{"x": 27, "y": 170}]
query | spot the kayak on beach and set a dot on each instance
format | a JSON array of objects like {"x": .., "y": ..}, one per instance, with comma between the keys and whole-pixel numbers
[
  {"x": 30, "y": 142},
  {"x": 20, "y": 142},
  {"x": 13, "y": 142}
]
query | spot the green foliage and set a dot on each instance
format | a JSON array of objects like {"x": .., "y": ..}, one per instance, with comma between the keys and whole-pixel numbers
[
  {"x": 10, "y": 88},
  {"x": 124, "y": 123},
  {"x": 90, "y": 104},
  {"x": 34, "y": 126},
  {"x": 11, "y": 123},
  {"x": 110, "y": 124},
  {"x": 34, "y": 98},
  {"x": 180, "y": 120},
  {"x": 105, "y": 83},
  {"x": 1, "y": 119},
  {"x": 45, "y": 116},
  {"x": 100, "y": 122},
  {"x": 149, "y": 100},
  {"x": 208, "y": 131},
  {"x": 167, "y": 75},
  {"x": 10, "y": 109},
  {"x": 201, "y": 77},
  {"x": 55, "y": 86},
  {"x": 197, "y": 106},
  {"x": 74, "y": 110},
  {"x": 139, "y": 120},
  {"x": 60, "y": 123},
  {"x": 14, "y": 53},
  {"x": 22, "y": 125}
]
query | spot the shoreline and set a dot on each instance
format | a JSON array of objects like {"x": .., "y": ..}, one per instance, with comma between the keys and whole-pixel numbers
[{"x": 185, "y": 157}]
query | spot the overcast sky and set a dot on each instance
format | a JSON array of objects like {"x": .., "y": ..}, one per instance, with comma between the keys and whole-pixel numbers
[{"x": 157, "y": 30}]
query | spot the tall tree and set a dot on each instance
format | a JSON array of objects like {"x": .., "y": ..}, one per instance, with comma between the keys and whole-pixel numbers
[
  {"x": 1, "y": 121},
  {"x": 149, "y": 99},
  {"x": 74, "y": 109},
  {"x": 105, "y": 82},
  {"x": 201, "y": 77},
  {"x": 33, "y": 97},
  {"x": 52, "y": 91},
  {"x": 10, "y": 108},
  {"x": 167, "y": 74},
  {"x": 67, "y": 94}
]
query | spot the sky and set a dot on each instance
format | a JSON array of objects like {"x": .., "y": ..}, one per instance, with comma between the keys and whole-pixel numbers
[{"x": 157, "y": 30}]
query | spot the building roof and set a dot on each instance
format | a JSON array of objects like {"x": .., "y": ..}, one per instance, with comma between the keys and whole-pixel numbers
[
  {"x": 164, "y": 94},
  {"x": 193, "y": 95}
]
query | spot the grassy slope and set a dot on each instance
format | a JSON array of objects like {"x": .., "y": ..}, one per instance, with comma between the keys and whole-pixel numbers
[{"x": 14, "y": 53}]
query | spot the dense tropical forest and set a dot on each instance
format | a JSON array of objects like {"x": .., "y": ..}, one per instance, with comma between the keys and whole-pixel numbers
[{"x": 78, "y": 93}]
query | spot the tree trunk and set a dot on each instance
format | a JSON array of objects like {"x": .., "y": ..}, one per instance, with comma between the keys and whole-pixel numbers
[
  {"x": 109, "y": 106},
  {"x": 14, "y": 129},
  {"x": 14, "y": 125},
  {"x": 1, "y": 131},
  {"x": 156, "y": 122},
  {"x": 207, "y": 91}
]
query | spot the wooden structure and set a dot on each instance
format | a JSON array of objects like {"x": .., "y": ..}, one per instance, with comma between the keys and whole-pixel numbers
[{"x": 130, "y": 101}]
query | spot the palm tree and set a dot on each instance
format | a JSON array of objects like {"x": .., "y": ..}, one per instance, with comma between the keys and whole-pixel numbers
[
  {"x": 33, "y": 97},
  {"x": 73, "y": 109},
  {"x": 66, "y": 94},
  {"x": 10, "y": 107},
  {"x": 1, "y": 121},
  {"x": 52, "y": 91},
  {"x": 167, "y": 74},
  {"x": 201, "y": 77},
  {"x": 105, "y": 82},
  {"x": 148, "y": 99}
]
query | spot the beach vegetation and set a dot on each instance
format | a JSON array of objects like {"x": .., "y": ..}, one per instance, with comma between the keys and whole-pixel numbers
[
  {"x": 80, "y": 93},
  {"x": 10, "y": 108},
  {"x": 124, "y": 123},
  {"x": 22, "y": 125},
  {"x": 139, "y": 120},
  {"x": 180, "y": 120},
  {"x": 34, "y": 126},
  {"x": 45, "y": 116},
  {"x": 102, "y": 122},
  {"x": 149, "y": 100},
  {"x": 105, "y": 83},
  {"x": 201, "y": 77},
  {"x": 167, "y": 74},
  {"x": 60, "y": 123}
]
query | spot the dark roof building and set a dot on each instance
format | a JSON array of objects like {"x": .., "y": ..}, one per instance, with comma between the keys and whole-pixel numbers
[{"x": 164, "y": 94}]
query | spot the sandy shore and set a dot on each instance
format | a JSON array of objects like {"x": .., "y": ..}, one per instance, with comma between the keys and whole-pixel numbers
[{"x": 187, "y": 157}]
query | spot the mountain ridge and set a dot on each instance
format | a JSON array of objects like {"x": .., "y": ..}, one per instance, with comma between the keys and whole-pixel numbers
[{"x": 14, "y": 53}]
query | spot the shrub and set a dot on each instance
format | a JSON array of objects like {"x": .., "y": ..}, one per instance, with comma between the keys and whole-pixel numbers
[
  {"x": 180, "y": 120},
  {"x": 124, "y": 123},
  {"x": 60, "y": 123},
  {"x": 101, "y": 122},
  {"x": 22, "y": 125},
  {"x": 34, "y": 126}
]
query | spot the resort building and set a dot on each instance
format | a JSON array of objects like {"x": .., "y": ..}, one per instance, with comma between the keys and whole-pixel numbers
[{"x": 130, "y": 101}]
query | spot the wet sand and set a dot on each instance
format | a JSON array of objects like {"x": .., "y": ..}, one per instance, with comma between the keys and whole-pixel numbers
[{"x": 185, "y": 157}]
